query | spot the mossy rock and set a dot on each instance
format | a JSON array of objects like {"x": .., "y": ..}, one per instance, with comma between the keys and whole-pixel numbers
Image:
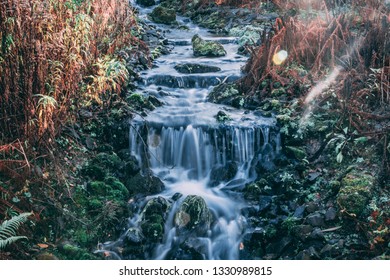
[
  {"x": 144, "y": 184},
  {"x": 247, "y": 35},
  {"x": 215, "y": 20},
  {"x": 136, "y": 100},
  {"x": 152, "y": 218},
  {"x": 102, "y": 164},
  {"x": 355, "y": 193},
  {"x": 206, "y": 48},
  {"x": 194, "y": 68},
  {"x": 224, "y": 94},
  {"x": 111, "y": 161},
  {"x": 193, "y": 216},
  {"x": 297, "y": 152},
  {"x": 252, "y": 191},
  {"x": 73, "y": 252},
  {"x": 163, "y": 15}
]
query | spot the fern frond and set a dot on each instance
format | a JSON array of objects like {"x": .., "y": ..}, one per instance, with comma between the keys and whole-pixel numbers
[
  {"x": 8, "y": 228},
  {"x": 10, "y": 240}
]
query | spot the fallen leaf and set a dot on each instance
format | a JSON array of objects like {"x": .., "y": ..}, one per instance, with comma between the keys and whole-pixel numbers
[{"x": 43, "y": 246}]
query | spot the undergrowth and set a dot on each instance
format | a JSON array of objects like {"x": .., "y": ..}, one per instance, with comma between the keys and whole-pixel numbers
[{"x": 56, "y": 56}]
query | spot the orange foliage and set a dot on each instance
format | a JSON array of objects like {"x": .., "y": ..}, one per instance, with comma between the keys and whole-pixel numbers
[{"x": 47, "y": 49}]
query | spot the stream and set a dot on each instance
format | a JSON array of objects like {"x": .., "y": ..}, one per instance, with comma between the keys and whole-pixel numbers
[{"x": 199, "y": 160}]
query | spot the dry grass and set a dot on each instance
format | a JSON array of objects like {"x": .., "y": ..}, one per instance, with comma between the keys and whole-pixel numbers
[
  {"x": 357, "y": 41},
  {"x": 54, "y": 54}
]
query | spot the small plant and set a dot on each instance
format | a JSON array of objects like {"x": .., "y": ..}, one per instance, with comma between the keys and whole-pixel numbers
[{"x": 8, "y": 230}]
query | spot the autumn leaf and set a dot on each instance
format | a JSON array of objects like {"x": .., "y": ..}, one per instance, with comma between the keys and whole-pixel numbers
[{"x": 42, "y": 245}]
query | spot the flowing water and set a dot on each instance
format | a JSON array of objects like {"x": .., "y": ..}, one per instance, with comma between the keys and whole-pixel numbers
[{"x": 187, "y": 148}]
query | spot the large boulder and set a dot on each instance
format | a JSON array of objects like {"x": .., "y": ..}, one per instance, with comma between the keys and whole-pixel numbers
[
  {"x": 193, "y": 68},
  {"x": 207, "y": 48},
  {"x": 163, "y": 15},
  {"x": 193, "y": 216}
]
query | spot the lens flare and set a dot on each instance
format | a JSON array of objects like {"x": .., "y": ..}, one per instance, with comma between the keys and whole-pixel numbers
[{"x": 279, "y": 57}]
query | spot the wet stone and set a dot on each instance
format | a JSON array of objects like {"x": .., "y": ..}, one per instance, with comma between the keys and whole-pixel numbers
[
  {"x": 315, "y": 219},
  {"x": 317, "y": 234},
  {"x": 299, "y": 212},
  {"x": 278, "y": 247},
  {"x": 330, "y": 214},
  {"x": 264, "y": 202},
  {"x": 312, "y": 207},
  {"x": 193, "y": 216},
  {"x": 302, "y": 231},
  {"x": 192, "y": 68},
  {"x": 134, "y": 236}
]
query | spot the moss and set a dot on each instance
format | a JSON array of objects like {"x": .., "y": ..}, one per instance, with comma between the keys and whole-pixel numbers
[
  {"x": 152, "y": 231},
  {"x": 214, "y": 20},
  {"x": 99, "y": 188},
  {"x": 135, "y": 100},
  {"x": 297, "y": 152},
  {"x": 107, "y": 160},
  {"x": 94, "y": 204},
  {"x": 207, "y": 48},
  {"x": 278, "y": 91},
  {"x": 358, "y": 180},
  {"x": 248, "y": 35},
  {"x": 355, "y": 193},
  {"x": 152, "y": 218},
  {"x": 163, "y": 15},
  {"x": 72, "y": 252},
  {"x": 83, "y": 237},
  {"x": 193, "y": 215},
  {"x": 93, "y": 171},
  {"x": 117, "y": 186},
  {"x": 252, "y": 191}
]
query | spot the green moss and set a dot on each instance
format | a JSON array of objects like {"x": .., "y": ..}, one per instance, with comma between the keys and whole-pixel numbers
[
  {"x": 355, "y": 193},
  {"x": 117, "y": 186},
  {"x": 214, "y": 20},
  {"x": 99, "y": 188},
  {"x": 107, "y": 160},
  {"x": 297, "y": 152},
  {"x": 358, "y": 180},
  {"x": 193, "y": 214},
  {"x": 252, "y": 191},
  {"x": 135, "y": 99},
  {"x": 163, "y": 15},
  {"x": 278, "y": 91},
  {"x": 95, "y": 204},
  {"x": 153, "y": 231},
  {"x": 93, "y": 171},
  {"x": 83, "y": 237},
  {"x": 207, "y": 48},
  {"x": 72, "y": 252}
]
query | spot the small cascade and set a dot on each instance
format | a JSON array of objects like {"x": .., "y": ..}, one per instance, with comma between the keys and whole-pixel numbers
[
  {"x": 203, "y": 163},
  {"x": 199, "y": 149}
]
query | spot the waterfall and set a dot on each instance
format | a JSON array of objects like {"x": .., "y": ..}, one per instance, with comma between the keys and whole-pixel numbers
[{"x": 198, "y": 158}]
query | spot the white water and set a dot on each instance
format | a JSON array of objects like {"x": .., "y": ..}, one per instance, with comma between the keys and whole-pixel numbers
[{"x": 184, "y": 143}]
